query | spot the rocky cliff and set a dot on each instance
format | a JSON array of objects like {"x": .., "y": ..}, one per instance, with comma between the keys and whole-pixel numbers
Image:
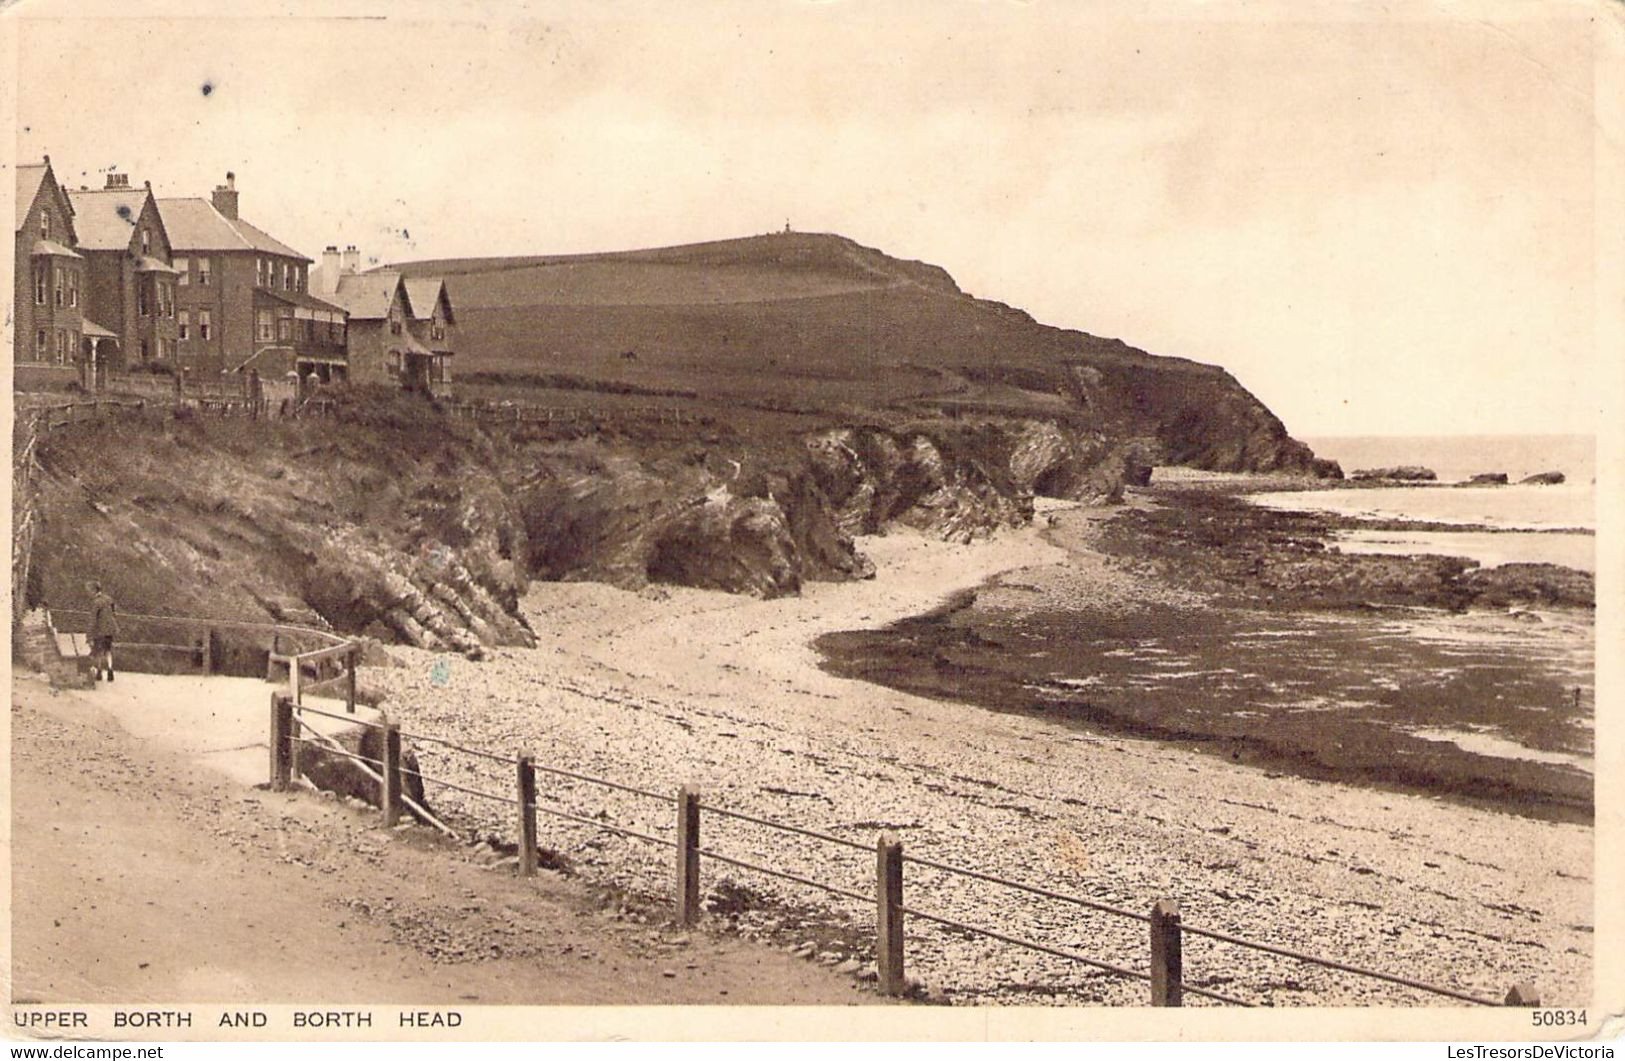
[{"x": 389, "y": 520}]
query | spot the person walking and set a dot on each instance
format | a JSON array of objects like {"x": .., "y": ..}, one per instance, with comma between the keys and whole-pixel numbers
[{"x": 103, "y": 628}]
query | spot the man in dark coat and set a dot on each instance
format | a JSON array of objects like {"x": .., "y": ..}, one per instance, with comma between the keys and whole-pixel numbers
[{"x": 103, "y": 628}]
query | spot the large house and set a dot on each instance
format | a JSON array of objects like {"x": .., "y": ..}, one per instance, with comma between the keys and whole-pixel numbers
[
  {"x": 48, "y": 306},
  {"x": 400, "y": 330},
  {"x": 114, "y": 278},
  {"x": 129, "y": 282},
  {"x": 241, "y": 295}
]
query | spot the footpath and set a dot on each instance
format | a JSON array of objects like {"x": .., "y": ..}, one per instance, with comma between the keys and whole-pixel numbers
[{"x": 147, "y": 868}]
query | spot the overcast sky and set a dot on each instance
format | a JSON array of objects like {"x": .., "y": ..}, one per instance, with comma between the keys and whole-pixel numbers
[{"x": 1377, "y": 226}]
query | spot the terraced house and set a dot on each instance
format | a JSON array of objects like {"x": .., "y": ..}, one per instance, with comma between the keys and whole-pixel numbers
[
  {"x": 48, "y": 311},
  {"x": 129, "y": 311},
  {"x": 241, "y": 295}
]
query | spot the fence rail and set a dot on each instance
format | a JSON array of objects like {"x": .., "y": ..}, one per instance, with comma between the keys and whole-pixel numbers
[
  {"x": 1164, "y": 972},
  {"x": 520, "y": 413}
]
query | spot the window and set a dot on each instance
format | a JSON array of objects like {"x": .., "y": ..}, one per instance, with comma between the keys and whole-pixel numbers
[
  {"x": 61, "y": 346},
  {"x": 143, "y": 349},
  {"x": 284, "y": 328},
  {"x": 259, "y": 272},
  {"x": 287, "y": 277},
  {"x": 395, "y": 362},
  {"x": 262, "y": 319},
  {"x": 73, "y": 287},
  {"x": 45, "y": 223},
  {"x": 142, "y": 304},
  {"x": 42, "y": 345},
  {"x": 299, "y": 281},
  {"x": 185, "y": 326},
  {"x": 42, "y": 285},
  {"x": 59, "y": 291},
  {"x": 146, "y": 241},
  {"x": 203, "y": 324},
  {"x": 203, "y": 274},
  {"x": 184, "y": 267}
]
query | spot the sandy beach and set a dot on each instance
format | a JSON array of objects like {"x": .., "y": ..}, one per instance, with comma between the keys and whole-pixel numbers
[{"x": 672, "y": 686}]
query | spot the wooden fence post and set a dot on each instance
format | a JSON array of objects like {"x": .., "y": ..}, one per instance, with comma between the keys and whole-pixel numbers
[
  {"x": 208, "y": 652},
  {"x": 281, "y": 742},
  {"x": 527, "y": 814},
  {"x": 889, "y": 914},
  {"x": 688, "y": 855},
  {"x": 349, "y": 681},
  {"x": 296, "y": 679},
  {"x": 1167, "y": 961},
  {"x": 390, "y": 787},
  {"x": 1525, "y": 994}
]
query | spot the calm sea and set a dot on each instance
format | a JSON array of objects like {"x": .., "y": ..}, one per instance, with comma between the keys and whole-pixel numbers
[{"x": 1530, "y": 520}]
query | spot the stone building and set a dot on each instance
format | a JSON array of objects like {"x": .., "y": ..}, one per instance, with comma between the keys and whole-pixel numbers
[
  {"x": 130, "y": 283},
  {"x": 400, "y": 330},
  {"x": 242, "y": 299},
  {"x": 48, "y": 303}
]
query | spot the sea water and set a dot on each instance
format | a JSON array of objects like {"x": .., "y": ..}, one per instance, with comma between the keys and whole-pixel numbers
[{"x": 1531, "y": 523}]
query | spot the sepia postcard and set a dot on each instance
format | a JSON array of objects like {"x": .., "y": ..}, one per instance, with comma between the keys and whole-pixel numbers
[{"x": 850, "y": 520}]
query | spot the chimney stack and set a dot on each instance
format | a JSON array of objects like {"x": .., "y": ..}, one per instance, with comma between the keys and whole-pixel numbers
[
  {"x": 118, "y": 181},
  {"x": 325, "y": 279},
  {"x": 225, "y": 196},
  {"x": 352, "y": 261}
]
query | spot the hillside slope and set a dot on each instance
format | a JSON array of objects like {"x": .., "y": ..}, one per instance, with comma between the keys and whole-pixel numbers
[{"x": 826, "y": 326}]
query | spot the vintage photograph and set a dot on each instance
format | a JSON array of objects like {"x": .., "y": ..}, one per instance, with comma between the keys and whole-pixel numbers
[{"x": 1059, "y": 511}]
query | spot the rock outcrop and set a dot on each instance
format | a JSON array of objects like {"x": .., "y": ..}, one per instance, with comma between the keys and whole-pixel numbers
[
  {"x": 1543, "y": 479},
  {"x": 1409, "y": 473},
  {"x": 1488, "y": 479}
]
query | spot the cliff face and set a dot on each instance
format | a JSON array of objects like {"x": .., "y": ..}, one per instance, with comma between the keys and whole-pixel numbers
[
  {"x": 390, "y": 521},
  {"x": 372, "y": 525}
]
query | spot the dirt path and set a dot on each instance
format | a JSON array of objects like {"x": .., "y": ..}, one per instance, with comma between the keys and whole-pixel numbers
[{"x": 141, "y": 876}]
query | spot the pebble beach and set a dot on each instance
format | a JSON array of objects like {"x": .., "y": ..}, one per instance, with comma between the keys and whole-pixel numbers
[{"x": 670, "y": 686}]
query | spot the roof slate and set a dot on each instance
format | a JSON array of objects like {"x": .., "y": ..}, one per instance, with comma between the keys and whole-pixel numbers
[
  {"x": 304, "y": 299},
  {"x": 368, "y": 296},
  {"x": 195, "y": 225},
  {"x": 103, "y": 220},
  {"x": 423, "y": 292}
]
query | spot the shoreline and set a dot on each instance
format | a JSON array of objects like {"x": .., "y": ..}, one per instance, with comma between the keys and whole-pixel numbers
[
  {"x": 1387, "y": 682},
  {"x": 671, "y": 686}
]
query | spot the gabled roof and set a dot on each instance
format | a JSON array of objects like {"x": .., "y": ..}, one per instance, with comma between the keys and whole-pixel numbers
[
  {"x": 105, "y": 219},
  {"x": 195, "y": 225},
  {"x": 424, "y": 292},
  {"x": 28, "y": 182},
  {"x": 30, "y": 179},
  {"x": 368, "y": 296}
]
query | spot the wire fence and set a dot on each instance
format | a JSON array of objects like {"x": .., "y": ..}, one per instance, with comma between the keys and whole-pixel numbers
[{"x": 1164, "y": 972}]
